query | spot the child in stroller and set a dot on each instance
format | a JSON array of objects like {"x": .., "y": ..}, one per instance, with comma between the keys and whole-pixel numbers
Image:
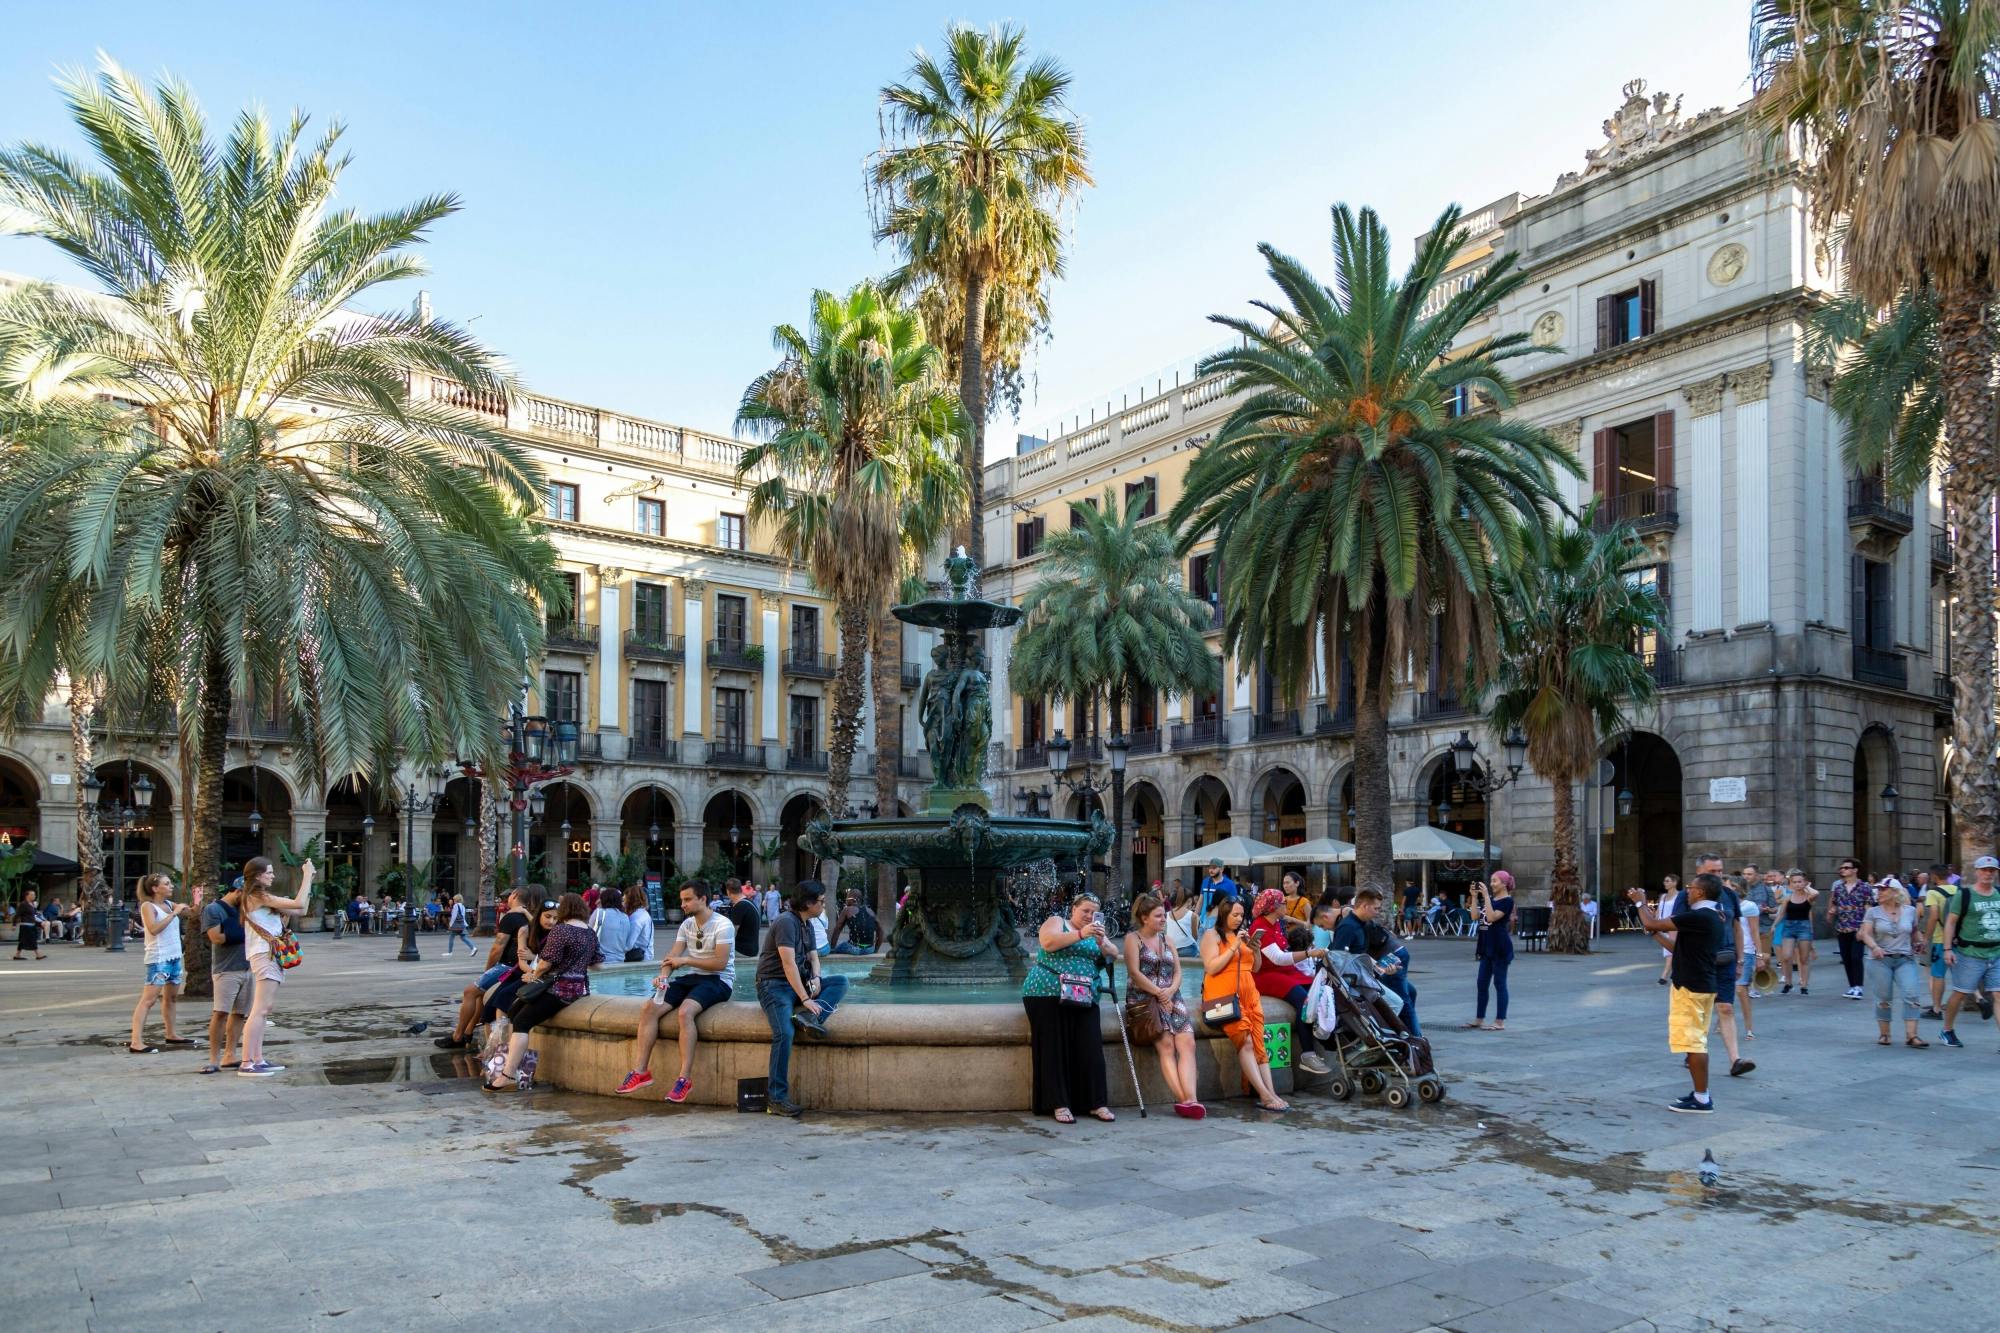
[{"x": 1376, "y": 1051}]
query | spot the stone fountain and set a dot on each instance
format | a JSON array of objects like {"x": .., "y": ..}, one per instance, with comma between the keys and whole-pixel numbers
[{"x": 957, "y": 925}]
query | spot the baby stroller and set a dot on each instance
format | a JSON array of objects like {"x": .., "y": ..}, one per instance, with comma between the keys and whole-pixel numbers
[{"x": 1375, "y": 1051}]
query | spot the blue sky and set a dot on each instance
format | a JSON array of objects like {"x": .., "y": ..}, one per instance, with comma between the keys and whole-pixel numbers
[{"x": 649, "y": 188}]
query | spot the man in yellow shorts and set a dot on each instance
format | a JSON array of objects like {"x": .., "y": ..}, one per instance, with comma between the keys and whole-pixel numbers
[{"x": 1695, "y": 933}]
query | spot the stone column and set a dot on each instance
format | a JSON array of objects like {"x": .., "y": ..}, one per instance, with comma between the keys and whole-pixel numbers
[
  {"x": 688, "y": 850},
  {"x": 606, "y": 837},
  {"x": 1704, "y": 507},
  {"x": 695, "y": 595},
  {"x": 610, "y": 653},
  {"x": 1753, "y": 492}
]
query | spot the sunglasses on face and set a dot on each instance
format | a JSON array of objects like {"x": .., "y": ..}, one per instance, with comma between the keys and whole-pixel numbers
[{"x": 548, "y": 907}]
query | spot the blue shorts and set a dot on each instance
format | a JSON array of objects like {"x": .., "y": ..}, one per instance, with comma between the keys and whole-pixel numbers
[
  {"x": 1969, "y": 976},
  {"x": 1725, "y": 983},
  {"x": 707, "y": 991},
  {"x": 1938, "y": 969},
  {"x": 168, "y": 973},
  {"x": 1801, "y": 931},
  {"x": 491, "y": 976}
]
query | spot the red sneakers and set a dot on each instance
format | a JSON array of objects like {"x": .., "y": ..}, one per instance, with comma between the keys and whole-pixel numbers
[
  {"x": 637, "y": 1079},
  {"x": 1190, "y": 1110},
  {"x": 679, "y": 1092}
]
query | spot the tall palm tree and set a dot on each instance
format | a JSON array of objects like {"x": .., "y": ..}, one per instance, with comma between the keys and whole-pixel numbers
[
  {"x": 1345, "y": 498},
  {"x": 980, "y": 155},
  {"x": 1109, "y": 617},
  {"x": 1569, "y": 675},
  {"x": 1895, "y": 113},
  {"x": 280, "y": 516},
  {"x": 856, "y": 470},
  {"x": 1888, "y": 388}
]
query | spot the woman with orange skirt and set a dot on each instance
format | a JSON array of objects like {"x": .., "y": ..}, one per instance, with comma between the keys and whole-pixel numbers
[{"x": 1229, "y": 966}]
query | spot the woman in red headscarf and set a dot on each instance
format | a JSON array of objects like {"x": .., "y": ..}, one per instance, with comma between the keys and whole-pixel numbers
[{"x": 1281, "y": 977}]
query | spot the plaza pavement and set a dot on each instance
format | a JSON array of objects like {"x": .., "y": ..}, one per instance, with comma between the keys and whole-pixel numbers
[{"x": 373, "y": 1186}]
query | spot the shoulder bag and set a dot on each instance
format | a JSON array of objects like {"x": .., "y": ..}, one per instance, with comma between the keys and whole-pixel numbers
[
  {"x": 284, "y": 948},
  {"x": 1144, "y": 1021},
  {"x": 1223, "y": 1010}
]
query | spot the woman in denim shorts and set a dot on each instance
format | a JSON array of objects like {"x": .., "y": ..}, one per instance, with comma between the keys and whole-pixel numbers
[
  {"x": 161, "y": 917},
  {"x": 1793, "y": 937}
]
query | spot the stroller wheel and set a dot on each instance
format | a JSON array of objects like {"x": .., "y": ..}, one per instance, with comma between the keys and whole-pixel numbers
[
  {"x": 1398, "y": 1097},
  {"x": 1372, "y": 1082},
  {"x": 1340, "y": 1089},
  {"x": 1430, "y": 1088}
]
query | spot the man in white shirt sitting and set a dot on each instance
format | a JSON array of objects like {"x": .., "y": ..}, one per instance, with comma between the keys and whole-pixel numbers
[{"x": 705, "y": 953}]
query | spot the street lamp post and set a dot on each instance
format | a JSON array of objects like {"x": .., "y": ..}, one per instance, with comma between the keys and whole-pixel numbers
[
  {"x": 528, "y": 750},
  {"x": 123, "y": 815},
  {"x": 1889, "y": 798},
  {"x": 1464, "y": 754},
  {"x": 413, "y": 801},
  {"x": 1086, "y": 785}
]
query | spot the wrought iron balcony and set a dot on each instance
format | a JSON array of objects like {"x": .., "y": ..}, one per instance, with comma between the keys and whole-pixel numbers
[
  {"x": 649, "y": 646},
  {"x": 1663, "y": 665},
  {"x": 1880, "y": 666},
  {"x": 1337, "y": 720},
  {"x": 805, "y": 761},
  {"x": 912, "y": 766},
  {"x": 820, "y": 666},
  {"x": 736, "y": 754},
  {"x": 575, "y": 636},
  {"x": 249, "y": 724},
  {"x": 1143, "y": 740},
  {"x": 1877, "y": 518},
  {"x": 1649, "y": 509},
  {"x": 1201, "y": 734},
  {"x": 735, "y": 654},
  {"x": 1440, "y": 703},
  {"x": 653, "y": 750},
  {"x": 1035, "y": 755},
  {"x": 1941, "y": 552},
  {"x": 1274, "y": 725},
  {"x": 913, "y": 675},
  {"x": 1941, "y": 685}
]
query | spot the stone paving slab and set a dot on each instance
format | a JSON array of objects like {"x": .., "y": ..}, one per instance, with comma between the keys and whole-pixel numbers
[{"x": 788, "y": 1281}]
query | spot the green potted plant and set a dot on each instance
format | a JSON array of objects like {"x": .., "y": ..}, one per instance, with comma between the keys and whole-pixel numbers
[
  {"x": 15, "y": 863},
  {"x": 341, "y": 884},
  {"x": 295, "y": 859},
  {"x": 753, "y": 653}
]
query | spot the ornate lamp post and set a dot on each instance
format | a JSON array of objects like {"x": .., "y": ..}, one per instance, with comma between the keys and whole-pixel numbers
[
  {"x": 1464, "y": 757},
  {"x": 1889, "y": 797},
  {"x": 536, "y": 753},
  {"x": 1086, "y": 785},
  {"x": 428, "y": 800},
  {"x": 121, "y": 817}
]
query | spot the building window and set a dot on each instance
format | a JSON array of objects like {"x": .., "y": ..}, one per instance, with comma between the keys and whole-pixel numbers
[
  {"x": 649, "y": 611},
  {"x": 732, "y": 615},
  {"x": 649, "y": 712},
  {"x": 805, "y": 724},
  {"x": 1076, "y": 517},
  {"x": 805, "y": 632},
  {"x": 731, "y": 718},
  {"x": 1034, "y": 721},
  {"x": 729, "y": 532},
  {"x": 562, "y": 696},
  {"x": 1623, "y": 317},
  {"x": 1208, "y": 705},
  {"x": 562, "y": 502},
  {"x": 1874, "y": 604},
  {"x": 1457, "y": 401},
  {"x": 1028, "y": 537},
  {"x": 652, "y": 517},
  {"x": 1654, "y": 577},
  {"x": 572, "y": 600},
  {"x": 1633, "y": 467},
  {"x": 1147, "y": 492}
]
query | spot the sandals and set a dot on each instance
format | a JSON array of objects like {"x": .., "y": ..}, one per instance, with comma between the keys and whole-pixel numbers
[
  {"x": 1917, "y": 1042},
  {"x": 1882, "y": 1040},
  {"x": 178, "y": 1041},
  {"x": 499, "y": 1084},
  {"x": 141, "y": 1050},
  {"x": 1476, "y": 1025},
  {"x": 1103, "y": 1113},
  {"x": 1064, "y": 1116}
]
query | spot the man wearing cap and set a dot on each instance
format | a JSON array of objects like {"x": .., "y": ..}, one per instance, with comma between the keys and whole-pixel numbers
[
  {"x": 1217, "y": 889},
  {"x": 1972, "y": 942}
]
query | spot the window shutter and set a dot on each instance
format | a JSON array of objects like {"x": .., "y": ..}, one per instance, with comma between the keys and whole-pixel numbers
[
  {"x": 1663, "y": 448},
  {"x": 1648, "y": 306},
  {"x": 1857, "y": 599},
  {"x": 1663, "y": 583},
  {"x": 1606, "y": 309},
  {"x": 1603, "y": 483}
]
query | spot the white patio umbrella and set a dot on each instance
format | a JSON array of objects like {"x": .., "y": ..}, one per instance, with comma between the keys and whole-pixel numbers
[
  {"x": 1320, "y": 851},
  {"x": 1230, "y": 851},
  {"x": 1427, "y": 843}
]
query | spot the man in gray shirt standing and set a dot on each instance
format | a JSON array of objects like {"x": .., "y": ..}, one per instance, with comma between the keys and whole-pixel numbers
[{"x": 230, "y": 976}]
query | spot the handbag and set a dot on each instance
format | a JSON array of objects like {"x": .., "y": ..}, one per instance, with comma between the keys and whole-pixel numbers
[
  {"x": 534, "y": 990},
  {"x": 1143, "y": 1021},
  {"x": 284, "y": 947},
  {"x": 1078, "y": 990},
  {"x": 1224, "y": 1010}
]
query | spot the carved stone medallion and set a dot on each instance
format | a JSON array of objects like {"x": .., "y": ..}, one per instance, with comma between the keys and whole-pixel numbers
[
  {"x": 1727, "y": 264},
  {"x": 1549, "y": 329}
]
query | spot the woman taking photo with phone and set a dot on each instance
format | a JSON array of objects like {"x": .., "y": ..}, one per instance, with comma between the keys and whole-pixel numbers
[
  {"x": 160, "y": 917},
  {"x": 1229, "y": 998},
  {"x": 1154, "y": 1009},
  {"x": 1494, "y": 947},
  {"x": 264, "y": 916},
  {"x": 1060, "y": 995}
]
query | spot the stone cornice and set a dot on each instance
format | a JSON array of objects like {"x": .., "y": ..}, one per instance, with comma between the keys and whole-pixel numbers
[
  {"x": 623, "y": 538},
  {"x": 1792, "y": 304}
]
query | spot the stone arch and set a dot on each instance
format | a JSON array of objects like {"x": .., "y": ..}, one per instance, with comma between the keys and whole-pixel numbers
[
  {"x": 725, "y": 809},
  {"x": 149, "y": 839},
  {"x": 799, "y": 808},
  {"x": 1207, "y": 807},
  {"x": 1278, "y": 806},
  {"x": 1876, "y": 768},
  {"x": 1145, "y": 825},
  {"x": 1640, "y": 848},
  {"x": 641, "y": 808},
  {"x": 566, "y": 856}
]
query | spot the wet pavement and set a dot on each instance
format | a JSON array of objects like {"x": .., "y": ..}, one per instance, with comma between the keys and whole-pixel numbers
[{"x": 374, "y": 1186}]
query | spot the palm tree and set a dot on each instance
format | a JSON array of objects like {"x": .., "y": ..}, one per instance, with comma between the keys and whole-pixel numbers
[
  {"x": 1895, "y": 112},
  {"x": 279, "y": 515},
  {"x": 1569, "y": 675},
  {"x": 1345, "y": 498},
  {"x": 1109, "y": 617},
  {"x": 980, "y": 155},
  {"x": 857, "y": 474}
]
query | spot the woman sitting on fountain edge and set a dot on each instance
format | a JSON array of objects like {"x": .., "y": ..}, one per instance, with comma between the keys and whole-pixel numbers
[{"x": 1060, "y": 995}]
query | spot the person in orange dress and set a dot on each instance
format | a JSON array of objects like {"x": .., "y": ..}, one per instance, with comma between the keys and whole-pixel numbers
[{"x": 1229, "y": 963}]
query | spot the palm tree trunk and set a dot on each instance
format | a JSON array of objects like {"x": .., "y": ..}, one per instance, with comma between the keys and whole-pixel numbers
[
  {"x": 888, "y": 656},
  {"x": 1569, "y": 930},
  {"x": 1374, "y": 836},
  {"x": 1966, "y": 339},
  {"x": 846, "y": 712},
  {"x": 972, "y": 394},
  {"x": 204, "y": 860},
  {"x": 84, "y": 697}
]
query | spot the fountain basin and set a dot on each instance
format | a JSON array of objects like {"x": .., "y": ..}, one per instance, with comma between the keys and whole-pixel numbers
[{"x": 878, "y": 1056}]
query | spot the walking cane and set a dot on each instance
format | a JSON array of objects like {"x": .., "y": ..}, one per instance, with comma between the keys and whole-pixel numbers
[{"x": 1111, "y": 989}]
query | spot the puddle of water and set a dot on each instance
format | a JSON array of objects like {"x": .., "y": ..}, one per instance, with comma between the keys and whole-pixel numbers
[{"x": 430, "y": 1067}]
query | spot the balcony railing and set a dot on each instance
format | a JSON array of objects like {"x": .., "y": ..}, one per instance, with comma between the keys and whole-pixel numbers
[
  {"x": 1869, "y": 500},
  {"x": 1440, "y": 703},
  {"x": 653, "y": 750},
  {"x": 1880, "y": 666},
  {"x": 1273, "y": 725},
  {"x": 646, "y": 645},
  {"x": 912, "y": 766},
  {"x": 805, "y": 761},
  {"x": 1663, "y": 665},
  {"x": 735, "y": 754},
  {"x": 577, "y": 636},
  {"x": 247, "y": 724},
  {"x": 1337, "y": 720},
  {"x": 1143, "y": 740},
  {"x": 1941, "y": 685},
  {"x": 1034, "y": 755},
  {"x": 913, "y": 675},
  {"x": 735, "y": 654},
  {"x": 799, "y": 662},
  {"x": 1649, "y": 509},
  {"x": 1215, "y": 616},
  {"x": 1941, "y": 553},
  {"x": 1201, "y": 734}
]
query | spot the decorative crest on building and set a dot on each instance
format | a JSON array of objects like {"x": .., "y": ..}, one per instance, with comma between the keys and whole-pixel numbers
[{"x": 1640, "y": 125}]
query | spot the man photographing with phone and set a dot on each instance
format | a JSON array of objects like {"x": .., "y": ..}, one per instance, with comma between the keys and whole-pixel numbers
[{"x": 1694, "y": 933}]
